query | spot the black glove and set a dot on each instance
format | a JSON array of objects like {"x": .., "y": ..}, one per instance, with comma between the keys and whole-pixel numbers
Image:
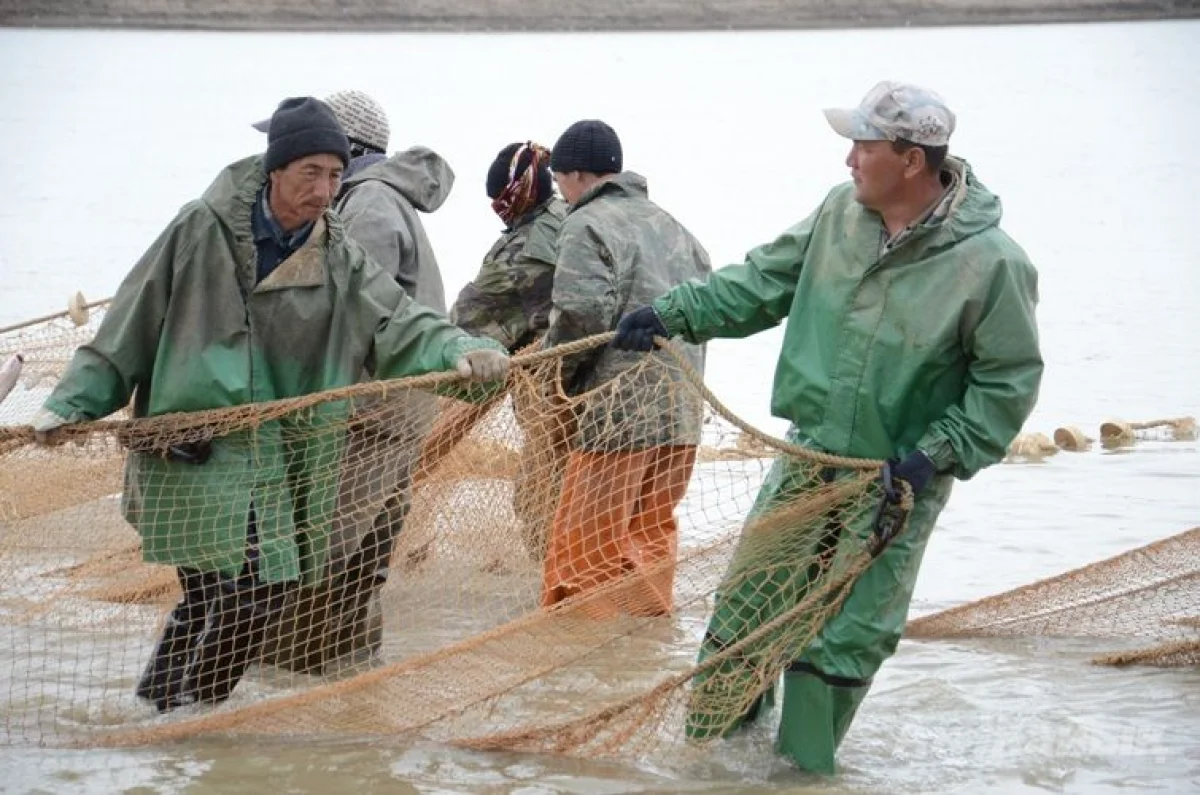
[
  {"x": 917, "y": 469},
  {"x": 637, "y": 330}
]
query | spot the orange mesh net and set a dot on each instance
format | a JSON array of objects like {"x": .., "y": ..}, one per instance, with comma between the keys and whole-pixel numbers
[
  {"x": 1146, "y": 601},
  {"x": 443, "y": 603}
]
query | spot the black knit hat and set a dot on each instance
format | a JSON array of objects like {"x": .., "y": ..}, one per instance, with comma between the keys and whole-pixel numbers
[
  {"x": 589, "y": 145},
  {"x": 303, "y": 126},
  {"x": 497, "y": 176}
]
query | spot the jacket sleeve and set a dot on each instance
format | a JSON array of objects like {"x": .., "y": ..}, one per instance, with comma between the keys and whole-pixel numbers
[
  {"x": 740, "y": 300},
  {"x": 491, "y": 305},
  {"x": 409, "y": 270},
  {"x": 104, "y": 373},
  {"x": 473, "y": 309},
  {"x": 1003, "y": 377},
  {"x": 584, "y": 298},
  {"x": 375, "y": 222},
  {"x": 409, "y": 338}
]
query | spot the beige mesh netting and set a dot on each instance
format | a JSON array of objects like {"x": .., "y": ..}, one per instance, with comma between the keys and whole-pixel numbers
[
  {"x": 1144, "y": 604},
  {"x": 428, "y": 613},
  {"x": 455, "y": 638},
  {"x": 1146, "y": 600}
]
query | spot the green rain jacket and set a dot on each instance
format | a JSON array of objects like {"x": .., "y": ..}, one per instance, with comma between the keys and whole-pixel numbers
[
  {"x": 930, "y": 345},
  {"x": 190, "y": 330}
]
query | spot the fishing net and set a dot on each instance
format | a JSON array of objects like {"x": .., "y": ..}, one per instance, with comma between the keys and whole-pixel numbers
[
  {"x": 46, "y": 344},
  {"x": 1146, "y": 600},
  {"x": 428, "y": 613}
]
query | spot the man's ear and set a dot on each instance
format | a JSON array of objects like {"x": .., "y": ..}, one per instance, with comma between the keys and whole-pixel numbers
[{"x": 914, "y": 161}]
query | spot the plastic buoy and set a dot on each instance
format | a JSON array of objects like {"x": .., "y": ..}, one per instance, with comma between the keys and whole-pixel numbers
[
  {"x": 1184, "y": 428},
  {"x": 1032, "y": 446},
  {"x": 1116, "y": 433},
  {"x": 9, "y": 374},
  {"x": 77, "y": 309},
  {"x": 1071, "y": 439}
]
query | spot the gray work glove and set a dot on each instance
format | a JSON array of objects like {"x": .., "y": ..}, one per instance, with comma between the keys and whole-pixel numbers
[
  {"x": 483, "y": 364},
  {"x": 45, "y": 427}
]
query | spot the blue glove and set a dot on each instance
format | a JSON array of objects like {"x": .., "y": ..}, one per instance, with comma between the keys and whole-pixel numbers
[
  {"x": 637, "y": 330},
  {"x": 917, "y": 469}
]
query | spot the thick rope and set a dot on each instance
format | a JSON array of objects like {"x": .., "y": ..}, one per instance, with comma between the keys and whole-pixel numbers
[
  {"x": 1166, "y": 423},
  {"x": 48, "y": 318},
  {"x": 827, "y": 459},
  {"x": 239, "y": 418}
]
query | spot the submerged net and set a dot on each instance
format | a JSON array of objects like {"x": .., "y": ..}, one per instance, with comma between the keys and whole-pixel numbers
[
  {"x": 1144, "y": 603},
  {"x": 449, "y": 632},
  {"x": 1146, "y": 600}
]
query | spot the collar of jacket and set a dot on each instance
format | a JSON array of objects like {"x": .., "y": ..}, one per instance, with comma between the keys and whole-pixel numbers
[
  {"x": 361, "y": 162},
  {"x": 264, "y": 226},
  {"x": 623, "y": 184},
  {"x": 935, "y": 214},
  {"x": 232, "y": 194},
  {"x": 530, "y": 216},
  {"x": 968, "y": 209},
  {"x": 303, "y": 267}
]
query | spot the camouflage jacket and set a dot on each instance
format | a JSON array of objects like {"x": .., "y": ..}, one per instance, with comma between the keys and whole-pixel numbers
[
  {"x": 617, "y": 252},
  {"x": 509, "y": 300}
]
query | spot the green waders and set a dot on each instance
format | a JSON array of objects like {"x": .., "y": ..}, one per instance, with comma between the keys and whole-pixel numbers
[{"x": 771, "y": 571}]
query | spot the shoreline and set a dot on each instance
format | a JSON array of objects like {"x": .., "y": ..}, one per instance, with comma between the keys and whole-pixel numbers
[{"x": 565, "y": 16}]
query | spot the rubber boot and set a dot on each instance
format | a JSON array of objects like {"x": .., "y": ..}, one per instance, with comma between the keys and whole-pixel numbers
[
  {"x": 297, "y": 640},
  {"x": 817, "y": 711},
  {"x": 764, "y": 703},
  {"x": 233, "y": 636},
  {"x": 719, "y": 692},
  {"x": 162, "y": 683},
  {"x": 355, "y": 617},
  {"x": 356, "y": 621}
]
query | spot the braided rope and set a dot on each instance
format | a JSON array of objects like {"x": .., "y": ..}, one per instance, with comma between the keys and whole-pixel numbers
[{"x": 242, "y": 417}]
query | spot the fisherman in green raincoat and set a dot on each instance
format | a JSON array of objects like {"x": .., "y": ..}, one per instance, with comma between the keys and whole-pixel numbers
[
  {"x": 910, "y": 337},
  {"x": 252, "y": 293}
]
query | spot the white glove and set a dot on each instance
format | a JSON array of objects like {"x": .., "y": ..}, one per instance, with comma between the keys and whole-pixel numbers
[
  {"x": 484, "y": 364},
  {"x": 45, "y": 423}
]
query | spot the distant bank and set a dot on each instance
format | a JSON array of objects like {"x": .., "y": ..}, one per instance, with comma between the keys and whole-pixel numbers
[{"x": 571, "y": 15}]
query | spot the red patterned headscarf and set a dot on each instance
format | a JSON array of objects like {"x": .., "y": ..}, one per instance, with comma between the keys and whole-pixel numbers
[{"x": 520, "y": 193}]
